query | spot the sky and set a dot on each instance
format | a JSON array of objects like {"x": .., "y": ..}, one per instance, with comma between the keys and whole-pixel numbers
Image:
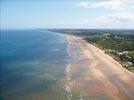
[{"x": 91, "y": 14}]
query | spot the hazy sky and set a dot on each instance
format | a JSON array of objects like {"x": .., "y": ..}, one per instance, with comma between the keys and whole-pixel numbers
[{"x": 21, "y": 14}]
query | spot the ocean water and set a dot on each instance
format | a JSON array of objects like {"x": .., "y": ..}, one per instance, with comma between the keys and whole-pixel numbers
[{"x": 32, "y": 65}]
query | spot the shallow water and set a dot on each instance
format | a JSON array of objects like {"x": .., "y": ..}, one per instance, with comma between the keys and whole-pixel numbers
[{"x": 32, "y": 65}]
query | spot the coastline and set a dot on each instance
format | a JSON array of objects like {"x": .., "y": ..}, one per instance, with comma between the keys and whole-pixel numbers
[
  {"x": 67, "y": 84},
  {"x": 92, "y": 65},
  {"x": 115, "y": 57}
]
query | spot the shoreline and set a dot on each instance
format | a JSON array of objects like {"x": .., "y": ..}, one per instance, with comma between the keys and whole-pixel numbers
[
  {"x": 110, "y": 54},
  {"x": 96, "y": 65},
  {"x": 67, "y": 85},
  {"x": 115, "y": 57}
]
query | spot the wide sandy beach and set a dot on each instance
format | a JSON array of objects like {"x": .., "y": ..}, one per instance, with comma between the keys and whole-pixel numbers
[{"x": 94, "y": 75}]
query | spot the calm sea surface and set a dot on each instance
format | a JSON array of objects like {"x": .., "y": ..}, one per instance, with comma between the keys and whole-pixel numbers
[{"x": 32, "y": 64}]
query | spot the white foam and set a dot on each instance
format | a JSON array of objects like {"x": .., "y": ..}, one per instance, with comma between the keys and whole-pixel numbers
[
  {"x": 81, "y": 97},
  {"x": 68, "y": 70},
  {"x": 67, "y": 88},
  {"x": 68, "y": 81}
]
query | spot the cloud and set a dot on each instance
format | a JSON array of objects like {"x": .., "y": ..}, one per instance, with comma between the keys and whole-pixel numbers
[
  {"x": 113, "y": 20},
  {"x": 124, "y": 19},
  {"x": 119, "y": 16},
  {"x": 111, "y": 4}
]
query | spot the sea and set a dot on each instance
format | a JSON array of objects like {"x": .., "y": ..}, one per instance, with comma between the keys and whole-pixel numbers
[{"x": 32, "y": 65}]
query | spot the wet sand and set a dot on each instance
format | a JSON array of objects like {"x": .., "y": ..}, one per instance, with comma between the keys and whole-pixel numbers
[{"x": 94, "y": 75}]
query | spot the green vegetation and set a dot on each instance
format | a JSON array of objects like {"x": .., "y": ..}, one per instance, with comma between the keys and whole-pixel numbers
[
  {"x": 117, "y": 43},
  {"x": 113, "y": 42},
  {"x": 120, "y": 47}
]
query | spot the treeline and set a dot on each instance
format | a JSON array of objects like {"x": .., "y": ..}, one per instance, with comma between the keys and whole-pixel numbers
[
  {"x": 120, "y": 46},
  {"x": 112, "y": 41},
  {"x": 117, "y": 43}
]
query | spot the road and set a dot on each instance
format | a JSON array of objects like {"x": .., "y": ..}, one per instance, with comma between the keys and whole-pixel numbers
[{"x": 94, "y": 75}]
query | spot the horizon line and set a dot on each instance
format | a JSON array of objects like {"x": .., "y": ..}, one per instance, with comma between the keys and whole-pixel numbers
[{"x": 69, "y": 28}]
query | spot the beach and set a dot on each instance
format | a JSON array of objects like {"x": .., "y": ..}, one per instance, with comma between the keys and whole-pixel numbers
[{"x": 92, "y": 74}]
